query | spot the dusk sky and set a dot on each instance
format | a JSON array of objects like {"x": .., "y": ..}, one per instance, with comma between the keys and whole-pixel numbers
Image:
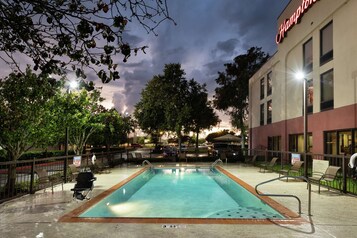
[{"x": 208, "y": 34}]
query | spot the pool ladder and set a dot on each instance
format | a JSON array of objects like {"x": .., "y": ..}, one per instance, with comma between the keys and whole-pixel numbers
[
  {"x": 215, "y": 163},
  {"x": 288, "y": 195},
  {"x": 148, "y": 163}
]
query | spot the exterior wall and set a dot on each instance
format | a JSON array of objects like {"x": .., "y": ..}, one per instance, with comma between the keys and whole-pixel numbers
[{"x": 287, "y": 92}]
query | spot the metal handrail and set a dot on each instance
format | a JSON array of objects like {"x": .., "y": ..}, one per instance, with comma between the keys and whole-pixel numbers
[
  {"x": 215, "y": 163},
  {"x": 147, "y": 162},
  {"x": 288, "y": 195}
]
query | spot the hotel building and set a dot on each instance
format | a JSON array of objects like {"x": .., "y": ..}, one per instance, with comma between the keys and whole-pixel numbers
[{"x": 319, "y": 38}]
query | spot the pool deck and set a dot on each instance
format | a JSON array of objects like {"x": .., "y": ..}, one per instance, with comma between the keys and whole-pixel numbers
[{"x": 333, "y": 213}]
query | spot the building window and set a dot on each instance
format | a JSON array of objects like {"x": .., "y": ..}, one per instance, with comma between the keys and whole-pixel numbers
[
  {"x": 307, "y": 54},
  {"x": 327, "y": 90},
  {"x": 269, "y": 83},
  {"x": 262, "y": 87},
  {"x": 341, "y": 142},
  {"x": 296, "y": 143},
  {"x": 310, "y": 95},
  {"x": 269, "y": 112},
  {"x": 326, "y": 43},
  {"x": 274, "y": 143},
  {"x": 331, "y": 143},
  {"x": 261, "y": 114}
]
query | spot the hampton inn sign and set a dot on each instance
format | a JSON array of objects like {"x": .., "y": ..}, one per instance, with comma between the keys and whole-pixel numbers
[{"x": 293, "y": 20}]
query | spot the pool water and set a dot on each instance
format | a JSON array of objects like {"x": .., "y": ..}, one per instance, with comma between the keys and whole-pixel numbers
[{"x": 182, "y": 193}]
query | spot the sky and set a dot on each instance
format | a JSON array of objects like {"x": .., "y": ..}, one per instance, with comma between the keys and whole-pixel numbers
[{"x": 207, "y": 34}]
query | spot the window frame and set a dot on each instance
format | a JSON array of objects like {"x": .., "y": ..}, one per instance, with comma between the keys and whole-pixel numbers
[
  {"x": 307, "y": 66},
  {"x": 326, "y": 104},
  {"x": 262, "y": 88},
  {"x": 327, "y": 56}
]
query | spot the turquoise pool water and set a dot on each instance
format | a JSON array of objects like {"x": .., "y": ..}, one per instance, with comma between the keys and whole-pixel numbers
[{"x": 182, "y": 193}]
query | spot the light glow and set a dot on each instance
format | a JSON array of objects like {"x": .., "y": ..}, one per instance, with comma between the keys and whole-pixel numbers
[{"x": 300, "y": 75}]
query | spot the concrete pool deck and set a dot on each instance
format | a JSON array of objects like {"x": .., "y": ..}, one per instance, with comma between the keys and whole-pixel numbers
[{"x": 333, "y": 214}]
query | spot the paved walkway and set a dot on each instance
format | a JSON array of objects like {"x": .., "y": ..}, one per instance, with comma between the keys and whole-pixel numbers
[{"x": 333, "y": 214}]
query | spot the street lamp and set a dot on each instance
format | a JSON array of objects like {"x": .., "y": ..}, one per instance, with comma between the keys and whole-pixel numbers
[
  {"x": 301, "y": 76},
  {"x": 71, "y": 85}
]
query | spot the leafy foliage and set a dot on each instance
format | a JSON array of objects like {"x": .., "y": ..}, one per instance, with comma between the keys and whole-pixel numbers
[
  {"x": 233, "y": 91},
  {"x": 24, "y": 113},
  {"x": 171, "y": 103},
  {"x": 115, "y": 130},
  {"x": 73, "y": 35},
  {"x": 81, "y": 113}
]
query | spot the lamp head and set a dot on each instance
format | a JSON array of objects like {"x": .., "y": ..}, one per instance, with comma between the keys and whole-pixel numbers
[
  {"x": 300, "y": 75},
  {"x": 73, "y": 84}
]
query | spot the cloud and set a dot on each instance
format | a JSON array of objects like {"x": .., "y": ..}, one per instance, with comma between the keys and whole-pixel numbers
[{"x": 208, "y": 34}]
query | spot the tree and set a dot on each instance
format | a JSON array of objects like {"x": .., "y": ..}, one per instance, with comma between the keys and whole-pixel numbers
[
  {"x": 114, "y": 130},
  {"x": 233, "y": 91},
  {"x": 26, "y": 121},
  {"x": 81, "y": 113},
  {"x": 75, "y": 35},
  {"x": 150, "y": 110},
  {"x": 202, "y": 112},
  {"x": 169, "y": 102},
  {"x": 177, "y": 104}
]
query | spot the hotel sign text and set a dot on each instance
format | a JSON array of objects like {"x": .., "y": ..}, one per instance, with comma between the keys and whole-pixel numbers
[{"x": 293, "y": 20}]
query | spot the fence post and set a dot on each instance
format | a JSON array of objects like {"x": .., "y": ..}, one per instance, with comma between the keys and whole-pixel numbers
[
  {"x": 344, "y": 186},
  {"x": 32, "y": 176},
  {"x": 65, "y": 165}
]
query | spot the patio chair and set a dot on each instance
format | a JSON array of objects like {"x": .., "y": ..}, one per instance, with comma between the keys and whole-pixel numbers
[
  {"x": 330, "y": 175},
  {"x": 250, "y": 159},
  {"x": 84, "y": 185},
  {"x": 318, "y": 169},
  {"x": 102, "y": 167},
  {"x": 73, "y": 171},
  {"x": 129, "y": 158},
  {"x": 268, "y": 166},
  {"x": 295, "y": 168},
  {"x": 138, "y": 158},
  {"x": 44, "y": 180}
]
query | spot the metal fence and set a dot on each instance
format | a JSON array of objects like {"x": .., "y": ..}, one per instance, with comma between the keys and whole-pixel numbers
[
  {"x": 345, "y": 176},
  {"x": 20, "y": 177},
  {"x": 25, "y": 180}
]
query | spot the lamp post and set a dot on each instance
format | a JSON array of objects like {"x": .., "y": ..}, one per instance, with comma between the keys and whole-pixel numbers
[
  {"x": 301, "y": 76},
  {"x": 71, "y": 85}
]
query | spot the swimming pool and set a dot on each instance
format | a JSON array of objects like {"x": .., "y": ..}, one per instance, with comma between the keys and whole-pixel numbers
[{"x": 121, "y": 203}]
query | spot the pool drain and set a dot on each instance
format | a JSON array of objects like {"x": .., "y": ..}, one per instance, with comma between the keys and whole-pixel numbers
[{"x": 173, "y": 226}]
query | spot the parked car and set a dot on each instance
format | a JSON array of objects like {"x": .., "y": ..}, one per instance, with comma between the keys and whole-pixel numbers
[
  {"x": 135, "y": 145},
  {"x": 169, "y": 151}
]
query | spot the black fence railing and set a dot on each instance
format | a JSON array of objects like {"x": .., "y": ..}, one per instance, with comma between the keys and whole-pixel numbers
[
  {"x": 346, "y": 181},
  {"x": 23, "y": 177}
]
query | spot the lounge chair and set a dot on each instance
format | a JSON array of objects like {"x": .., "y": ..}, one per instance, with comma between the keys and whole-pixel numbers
[
  {"x": 84, "y": 185},
  {"x": 73, "y": 171},
  {"x": 330, "y": 175},
  {"x": 44, "y": 180},
  {"x": 295, "y": 168},
  {"x": 250, "y": 159},
  {"x": 102, "y": 167},
  {"x": 129, "y": 158},
  {"x": 270, "y": 165},
  {"x": 138, "y": 158},
  {"x": 318, "y": 169}
]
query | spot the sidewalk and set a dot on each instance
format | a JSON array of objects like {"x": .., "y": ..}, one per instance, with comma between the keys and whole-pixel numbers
[{"x": 333, "y": 214}]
